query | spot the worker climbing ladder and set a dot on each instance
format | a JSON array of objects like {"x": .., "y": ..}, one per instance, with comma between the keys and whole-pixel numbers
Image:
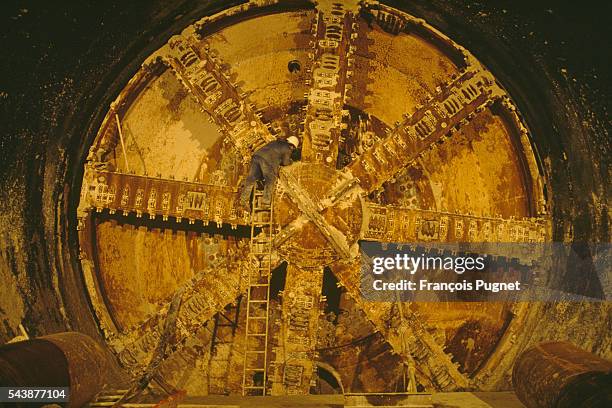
[{"x": 258, "y": 299}]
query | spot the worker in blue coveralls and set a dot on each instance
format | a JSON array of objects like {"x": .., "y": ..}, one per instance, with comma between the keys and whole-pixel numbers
[{"x": 265, "y": 165}]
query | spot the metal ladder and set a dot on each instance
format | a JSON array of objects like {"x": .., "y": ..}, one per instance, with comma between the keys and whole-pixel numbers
[{"x": 255, "y": 366}]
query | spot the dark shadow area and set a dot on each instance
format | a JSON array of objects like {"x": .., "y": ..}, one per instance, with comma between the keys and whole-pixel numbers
[
  {"x": 226, "y": 230},
  {"x": 277, "y": 281},
  {"x": 326, "y": 383},
  {"x": 331, "y": 291}
]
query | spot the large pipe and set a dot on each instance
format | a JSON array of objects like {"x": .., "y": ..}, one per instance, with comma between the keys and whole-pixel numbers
[
  {"x": 560, "y": 375},
  {"x": 67, "y": 359}
]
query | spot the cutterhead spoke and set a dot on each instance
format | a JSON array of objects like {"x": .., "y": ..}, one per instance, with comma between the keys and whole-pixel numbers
[
  {"x": 155, "y": 197},
  {"x": 207, "y": 293},
  {"x": 405, "y": 225},
  {"x": 202, "y": 75},
  {"x": 334, "y": 31},
  {"x": 409, "y": 337},
  {"x": 295, "y": 355},
  {"x": 454, "y": 104}
]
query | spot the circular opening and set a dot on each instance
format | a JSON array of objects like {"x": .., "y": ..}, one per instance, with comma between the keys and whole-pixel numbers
[{"x": 294, "y": 66}]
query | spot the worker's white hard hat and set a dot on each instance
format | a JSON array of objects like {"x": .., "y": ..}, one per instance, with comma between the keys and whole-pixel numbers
[{"x": 293, "y": 140}]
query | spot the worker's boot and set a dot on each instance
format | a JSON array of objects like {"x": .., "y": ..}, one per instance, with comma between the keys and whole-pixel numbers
[
  {"x": 266, "y": 198},
  {"x": 266, "y": 201}
]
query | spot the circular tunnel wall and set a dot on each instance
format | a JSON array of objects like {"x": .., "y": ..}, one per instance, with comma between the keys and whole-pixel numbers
[{"x": 58, "y": 101}]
